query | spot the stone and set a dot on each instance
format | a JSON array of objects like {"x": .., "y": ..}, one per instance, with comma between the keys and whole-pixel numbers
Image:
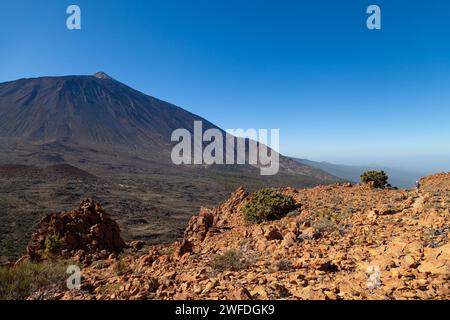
[
  {"x": 152, "y": 284},
  {"x": 137, "y": 245},
  {"x": 210, "y": 286},
  {"x": 241, "y": 294},
  {"x": 311, "y": 233},
  {"x": 434, "y": 267},
  {"x": 259, "y": 293},
  {"x": 409, "y": 261},
  {"x": 183, "y": 248},
  {"x": 289, "y": 240},
  {"x": 273, "y": 234}
]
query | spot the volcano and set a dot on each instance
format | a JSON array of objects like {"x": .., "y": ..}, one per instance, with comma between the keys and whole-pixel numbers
[{"x": 87, "y": 111}]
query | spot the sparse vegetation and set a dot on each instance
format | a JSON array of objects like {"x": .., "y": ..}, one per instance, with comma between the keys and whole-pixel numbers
[
  {"x": 100, "y": 264},
  {"x": 436, "y": 237},
  {"x": 109, "y": 288},
  {"x": 120, "y": 268},
  {"x": 266, "y": 205},
  {"x": 232, "y": 260},
  {"x": 284, "y": 265},
  {"x": 324, "y": 225},
  {"x": 53, "y": 244},
  {"x": 334, "y": 216},
  {"x": 329, "y": 220},
  {"x": 20, "y": 281},
  {"x": 378, "y": 178}
]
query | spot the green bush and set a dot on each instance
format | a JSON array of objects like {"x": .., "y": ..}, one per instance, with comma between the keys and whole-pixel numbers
[
  {"x": 53, "y": 244},
  {"x": 378, "y": 178},
  {"x": 267, "y": 205}
]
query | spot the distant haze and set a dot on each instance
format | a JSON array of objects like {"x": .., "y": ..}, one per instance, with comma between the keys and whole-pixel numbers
[
  {"x": 402, "y": 171},
  {"x": 423, "y": 164}
]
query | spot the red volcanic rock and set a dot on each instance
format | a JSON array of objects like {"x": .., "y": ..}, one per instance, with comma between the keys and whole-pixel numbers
[
  {"x": 184, "y": 247},
  {"x": 227, "y": 215},
  {"x": 86, "y": 231}
]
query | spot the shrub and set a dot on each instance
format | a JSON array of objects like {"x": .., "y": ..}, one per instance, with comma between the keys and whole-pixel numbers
[
  {"x": 283, "y": 265},
  {"x": 53, "y": 244},
  {"x": 334, "y": 216},
  {"x": 20, "y": 281},
  {"x": 325, "y": 225},
  {"x": 329, "y": 220},
  {"x": 100, "y": 264},
  {"x": 121, "y": 267},
  {"x": 230, "y": 260},
  {"x": 267, "y": 205},
  {"x": 378, "y": 178}
]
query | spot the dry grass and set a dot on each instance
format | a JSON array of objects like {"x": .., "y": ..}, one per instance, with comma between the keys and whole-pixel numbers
[
  {"x": 232, "y": 260},
  {"x": 18, "y": 282}
]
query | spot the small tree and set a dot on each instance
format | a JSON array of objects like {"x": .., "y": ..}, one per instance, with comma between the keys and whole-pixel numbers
[{"x": 378, "y": 178}]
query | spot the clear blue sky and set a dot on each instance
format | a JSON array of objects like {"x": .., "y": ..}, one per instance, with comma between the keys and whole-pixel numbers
[{"x": 310, "y": 68}]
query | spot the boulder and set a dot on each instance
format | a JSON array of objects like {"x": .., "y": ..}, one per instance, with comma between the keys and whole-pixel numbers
[{"x": 273, "y": 234}]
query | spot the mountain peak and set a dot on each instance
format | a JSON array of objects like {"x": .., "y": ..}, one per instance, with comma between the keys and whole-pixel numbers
[{"x": 102, "y": 75}]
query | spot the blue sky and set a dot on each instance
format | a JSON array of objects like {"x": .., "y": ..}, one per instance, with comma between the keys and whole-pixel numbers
[{"x": 336, "y": 90}]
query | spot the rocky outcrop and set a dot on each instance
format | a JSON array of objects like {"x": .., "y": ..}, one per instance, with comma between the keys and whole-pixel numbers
[
  {"x": 223, "y": 217},
  {"x": 87, "y": 233},
  {"x": 436, "y": 182}
]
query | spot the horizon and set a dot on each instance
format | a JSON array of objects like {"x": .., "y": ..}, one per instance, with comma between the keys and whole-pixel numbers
[{"x": 318, "y": 63}]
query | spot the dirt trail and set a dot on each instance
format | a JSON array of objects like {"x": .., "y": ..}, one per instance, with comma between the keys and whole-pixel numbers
[{"x": 418, "y": 202}]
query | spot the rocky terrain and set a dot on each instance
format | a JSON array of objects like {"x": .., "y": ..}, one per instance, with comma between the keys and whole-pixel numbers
[{"x": 343, "y": 242}]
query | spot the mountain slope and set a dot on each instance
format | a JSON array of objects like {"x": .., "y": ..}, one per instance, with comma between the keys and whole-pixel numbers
[{"x": 87, "y": 110}]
